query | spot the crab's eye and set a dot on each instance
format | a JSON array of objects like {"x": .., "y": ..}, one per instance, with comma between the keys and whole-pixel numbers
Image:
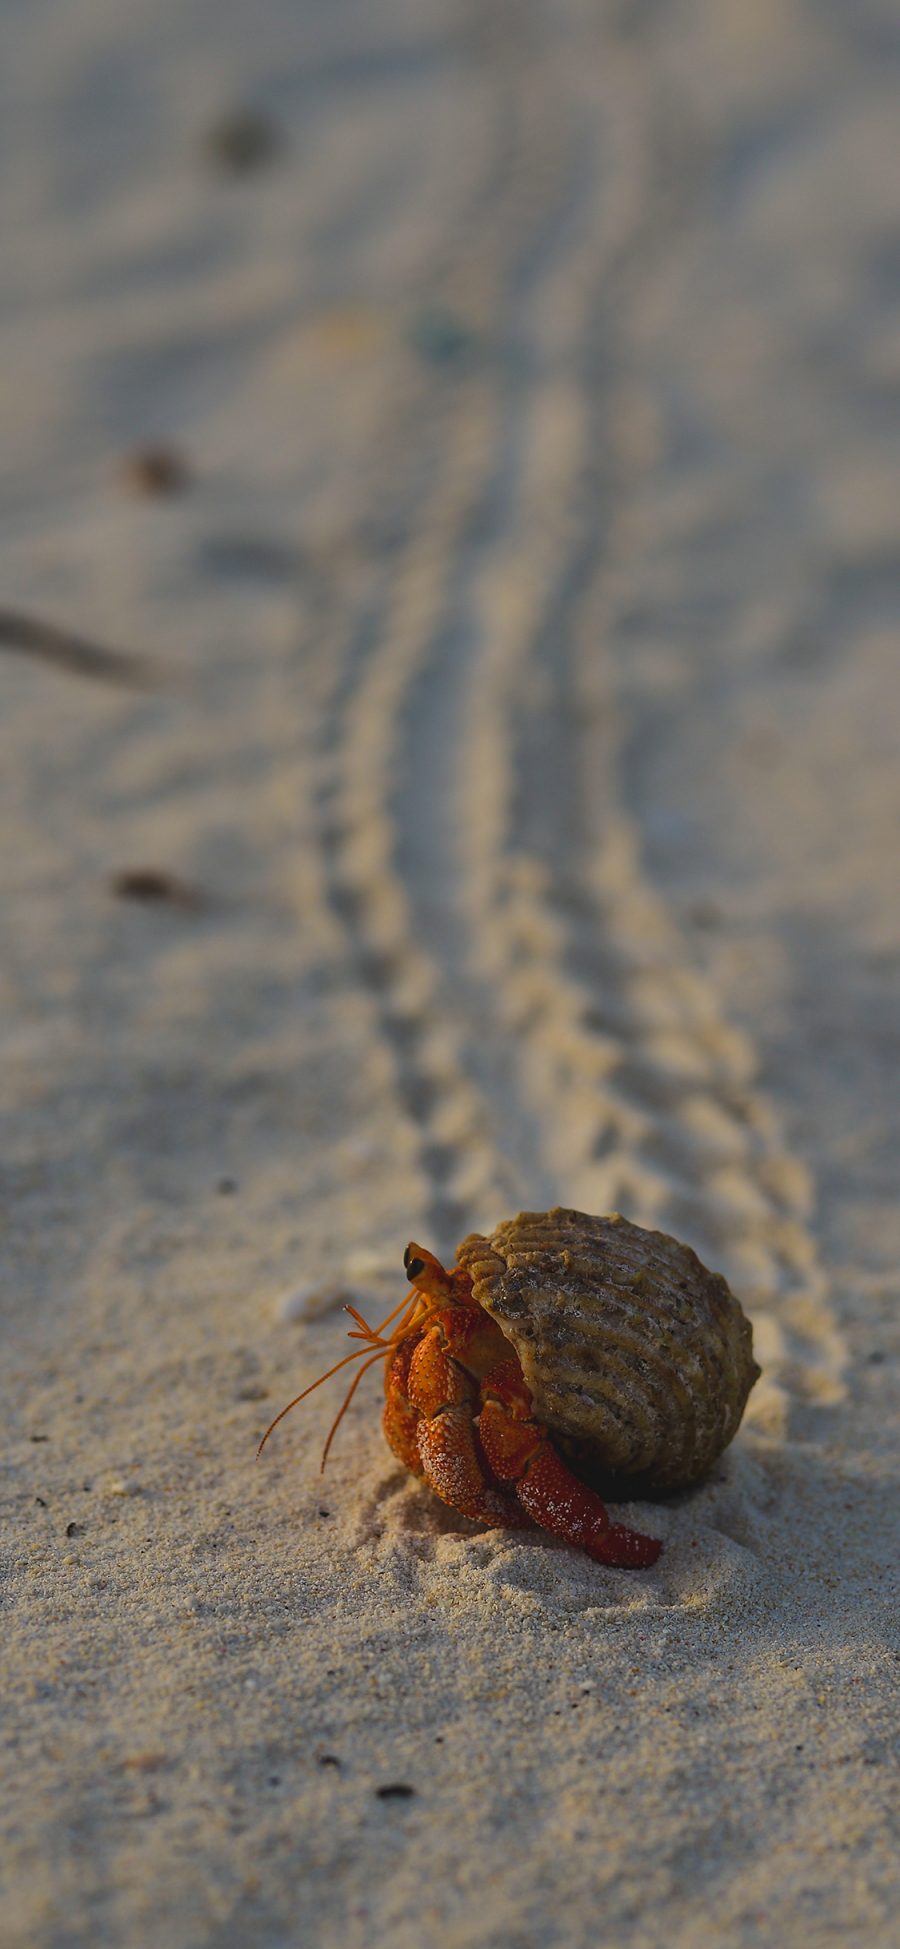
[{"x": 413, "y": 1267}]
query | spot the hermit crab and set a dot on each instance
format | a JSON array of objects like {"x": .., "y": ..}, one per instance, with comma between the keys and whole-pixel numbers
[{"x": 562, "y": 1350}]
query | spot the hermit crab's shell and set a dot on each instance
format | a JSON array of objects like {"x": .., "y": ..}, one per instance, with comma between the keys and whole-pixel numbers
[{"x": 636, "y": 1356}]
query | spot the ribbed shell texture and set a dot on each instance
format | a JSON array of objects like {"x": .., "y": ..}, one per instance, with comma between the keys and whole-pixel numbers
[{"x": 636, "y": 1355}]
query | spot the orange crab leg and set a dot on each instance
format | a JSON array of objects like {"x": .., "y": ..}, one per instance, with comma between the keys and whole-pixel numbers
[
  {"x": 400, "y": 1420},
  {"x": 453, "y": 1470},
  {"x": 444, "y": 1395},
  {"x": 519, "y": 1451},
  {"x": 559, "y": 1502}
]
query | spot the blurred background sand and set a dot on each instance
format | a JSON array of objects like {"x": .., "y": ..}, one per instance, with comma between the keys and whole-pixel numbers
[{"x": 448, "y": 702}]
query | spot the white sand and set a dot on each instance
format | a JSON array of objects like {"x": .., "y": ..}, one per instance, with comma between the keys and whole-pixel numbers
[{"x": 527, "y": 722}]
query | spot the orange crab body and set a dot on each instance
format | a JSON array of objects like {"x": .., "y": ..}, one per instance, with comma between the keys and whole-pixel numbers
[
  {"x": 560, "y": 1330},
  {"x": 458, "y": 1413}
]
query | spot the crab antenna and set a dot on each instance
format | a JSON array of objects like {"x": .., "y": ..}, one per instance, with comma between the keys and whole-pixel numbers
[
  {"x": 404, "y": 1303},
  {"x": 357, "y": 1354},
  {"x": 382, "y": 1351},
  {"x": 401, "y": 1329},
  {"x": 371, "y": 1336}
]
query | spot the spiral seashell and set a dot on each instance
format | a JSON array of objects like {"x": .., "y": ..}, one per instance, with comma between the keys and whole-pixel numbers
[{"x": 638, "y": 1359}]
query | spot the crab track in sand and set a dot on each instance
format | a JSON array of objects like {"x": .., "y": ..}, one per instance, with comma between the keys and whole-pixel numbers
[
  {"x": 449, "y": 464},
  {"x": 545, "y": 1033}
]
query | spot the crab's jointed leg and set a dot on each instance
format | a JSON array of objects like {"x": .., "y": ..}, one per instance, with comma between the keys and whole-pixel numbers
[
  {"x": 445, "y": 1396},
  {"x": 401, "y": 1420},
  {"x": 518, "y": 1449}
]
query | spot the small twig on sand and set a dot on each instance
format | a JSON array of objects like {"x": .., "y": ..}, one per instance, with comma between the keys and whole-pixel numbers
[
  {"x": 29, "y": 636},
  {"x": 152, "y": 883}
]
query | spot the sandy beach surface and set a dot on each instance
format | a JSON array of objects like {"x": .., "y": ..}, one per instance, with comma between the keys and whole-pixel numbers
[{"x": 449, "y": 699}]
